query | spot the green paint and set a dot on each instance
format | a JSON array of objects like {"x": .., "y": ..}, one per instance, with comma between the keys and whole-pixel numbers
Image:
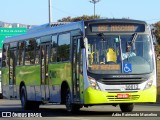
[
  {"x": 59, "y": 72},
  {"x": 5, "y": 76},
  {"x": 29, "y": 74}
]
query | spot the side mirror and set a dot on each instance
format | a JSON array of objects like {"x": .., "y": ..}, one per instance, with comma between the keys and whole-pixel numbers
[
  {"x": 153, "y": 36},
  {"x": 154, "y": 40}
]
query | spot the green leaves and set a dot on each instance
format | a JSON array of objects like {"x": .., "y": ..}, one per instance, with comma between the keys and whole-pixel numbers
[{"x": 84, "y": 17}]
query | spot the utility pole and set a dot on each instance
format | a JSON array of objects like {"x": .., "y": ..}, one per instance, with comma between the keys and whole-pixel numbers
[
  {"x": 94, "y": 2},
  {"x": 50, "y": 11}
]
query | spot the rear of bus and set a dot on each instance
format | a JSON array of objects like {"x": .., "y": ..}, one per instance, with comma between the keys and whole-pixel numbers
[{"x": 120, "y": 63}]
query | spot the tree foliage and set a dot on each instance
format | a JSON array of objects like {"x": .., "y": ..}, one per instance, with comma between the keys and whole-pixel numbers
[
  {"x": 157, "y": 32},
  {"x": 84, "y": 17}
]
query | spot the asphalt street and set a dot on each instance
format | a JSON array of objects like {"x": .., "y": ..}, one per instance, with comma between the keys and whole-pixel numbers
[{"x": 12, "y": 108}]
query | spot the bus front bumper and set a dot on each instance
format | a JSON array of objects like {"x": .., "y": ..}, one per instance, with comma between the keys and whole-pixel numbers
[{"x": 92, "y": 96}]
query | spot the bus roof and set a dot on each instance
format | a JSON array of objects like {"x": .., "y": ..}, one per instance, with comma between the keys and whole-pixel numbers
[{"x": 45, "y": 30}]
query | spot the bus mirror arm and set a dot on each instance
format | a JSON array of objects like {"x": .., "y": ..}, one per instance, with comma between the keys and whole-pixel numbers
[
  {"x": 82, "y": 43},
  {"x": 154, "y": 39},
  {"x": 153, "y": 36}
]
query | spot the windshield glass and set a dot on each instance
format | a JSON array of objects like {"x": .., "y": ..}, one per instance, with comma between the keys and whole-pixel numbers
[{"x": 117, "y": 54}]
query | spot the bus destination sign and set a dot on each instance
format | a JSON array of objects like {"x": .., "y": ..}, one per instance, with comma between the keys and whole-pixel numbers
[{"x": 118, "y": 28}]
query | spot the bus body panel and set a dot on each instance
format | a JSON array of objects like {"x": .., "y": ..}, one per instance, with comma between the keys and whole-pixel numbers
[
  {"x": 30, "y": 75},
  {"x": 99, "y": 97},
  {"x": 57, "y": 73},
  {"x": 5, "y": 82}
]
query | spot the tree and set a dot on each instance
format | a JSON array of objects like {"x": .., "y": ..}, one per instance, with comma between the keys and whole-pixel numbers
[
  {"x": 84, "y": 17},
  {"x": 157, "y": 34},
  {"x": 157, "y": 31}
]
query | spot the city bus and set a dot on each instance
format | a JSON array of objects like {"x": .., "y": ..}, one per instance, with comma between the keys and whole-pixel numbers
[{"x": 81, "y": 64}]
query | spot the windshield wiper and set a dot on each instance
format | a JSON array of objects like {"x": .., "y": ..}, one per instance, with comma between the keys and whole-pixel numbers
[
  {"x": 133, "y": 40},
  {"x": 132, "y": 43},
  {"x": 131, "y": 46}
]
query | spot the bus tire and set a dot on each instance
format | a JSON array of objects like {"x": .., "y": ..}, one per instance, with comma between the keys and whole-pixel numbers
[
  {"x": 26, "y": 105},
  {"x": 69, "y": 106},
  {"x": 126, "y": 107},
  {"x": 1, "y": 96}
]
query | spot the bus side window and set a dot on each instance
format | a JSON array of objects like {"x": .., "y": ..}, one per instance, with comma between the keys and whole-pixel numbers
[
  {"x": 21, "y": 47},
  {"x": 5, "y": 60},
  {"x": 54, "y": 49},
  {"x": 30, "y": 52},
  {"x": 37, "y": 51},
  {"x": 63, "y": 47}
]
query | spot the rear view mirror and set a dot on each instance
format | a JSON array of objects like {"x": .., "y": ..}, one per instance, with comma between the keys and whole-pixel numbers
[
  {"x": 84, "y": 42},
  {"x": 154, "y": 40},
  {"x": 153, "y": 36}
]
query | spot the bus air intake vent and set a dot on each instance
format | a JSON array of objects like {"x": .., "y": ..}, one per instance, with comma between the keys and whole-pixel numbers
[
  {"x": 122, "y": 81},
  {"x": 46, "y": 26}
]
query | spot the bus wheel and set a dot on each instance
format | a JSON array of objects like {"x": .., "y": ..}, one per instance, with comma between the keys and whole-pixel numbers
[
  {"x": 128, "y": 107},
  {"x": 1, "y": 96},
  {"x": 28, "y": 105},
  {"x": 69, "y": 106},
  {"x": 24, "y": 102}
]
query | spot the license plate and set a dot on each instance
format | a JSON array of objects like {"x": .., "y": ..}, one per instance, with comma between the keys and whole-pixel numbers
[
  {"x": 132, "y": 87},
  {"x": 122, "y": 95}
]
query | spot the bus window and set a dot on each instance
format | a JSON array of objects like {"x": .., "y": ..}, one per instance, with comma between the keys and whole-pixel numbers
[
  {"x": 63, "y": 47},
  {"x": 54, "y": 49},
  {"x": 21, "y": 47},
  {"x": 29, "y": 55},
  {"x": 5, "y": 61},
  {"x": 37, "y": 51}
]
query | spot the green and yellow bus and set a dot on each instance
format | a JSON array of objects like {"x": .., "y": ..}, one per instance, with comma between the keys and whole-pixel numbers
[{"x": 81, "y": 64}]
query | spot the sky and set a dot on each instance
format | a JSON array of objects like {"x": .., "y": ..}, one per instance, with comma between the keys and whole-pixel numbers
[{"x": 35, "y": 12}]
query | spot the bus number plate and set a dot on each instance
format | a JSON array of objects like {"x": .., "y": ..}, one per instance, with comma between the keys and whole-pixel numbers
[
  {"x": 132, "y": 87},
  {"x": 122, "y": 96}
]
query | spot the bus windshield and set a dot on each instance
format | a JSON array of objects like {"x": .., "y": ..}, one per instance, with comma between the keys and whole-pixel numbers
[{"x": 119, "y": 54}]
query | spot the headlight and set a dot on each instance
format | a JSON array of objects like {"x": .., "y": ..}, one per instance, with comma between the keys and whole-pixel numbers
[
  {"x": 149, "y": 83},
  {"x": 93, "y": 83}
]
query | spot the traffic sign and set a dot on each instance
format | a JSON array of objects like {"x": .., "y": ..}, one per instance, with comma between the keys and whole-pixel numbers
[{"x": 8, "y": 32}]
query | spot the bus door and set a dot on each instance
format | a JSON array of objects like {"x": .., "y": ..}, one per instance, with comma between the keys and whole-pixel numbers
[
  {"x": 12, "y": 81},
  {"x": 44, "y": 50},
  {"x": 76, "y": 53}
]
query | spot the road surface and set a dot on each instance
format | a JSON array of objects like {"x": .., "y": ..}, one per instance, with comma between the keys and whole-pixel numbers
[{"x": 51, "y": 112}]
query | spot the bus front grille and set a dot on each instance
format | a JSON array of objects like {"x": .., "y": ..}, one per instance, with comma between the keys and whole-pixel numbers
[
  {"x": 123, "y": 81},
  {"x": 115, "y": 98}
]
